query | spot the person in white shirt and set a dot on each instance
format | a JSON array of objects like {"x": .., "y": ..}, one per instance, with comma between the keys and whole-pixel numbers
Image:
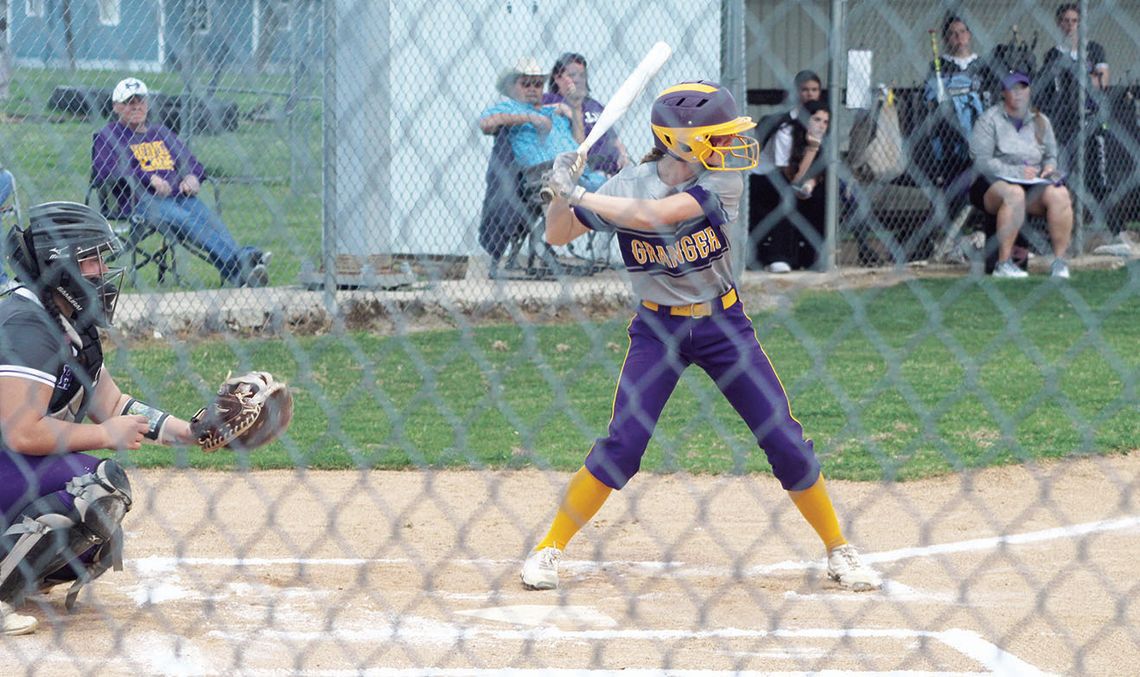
[{"x": 774, "y": 212}]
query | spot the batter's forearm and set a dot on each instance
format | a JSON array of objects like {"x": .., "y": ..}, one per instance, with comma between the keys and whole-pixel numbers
[
  {"x": 562, "y": 227},
  {"x": 650, "y": 215}
]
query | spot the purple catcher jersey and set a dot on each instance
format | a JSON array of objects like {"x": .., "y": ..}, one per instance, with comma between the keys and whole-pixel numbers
[{"x": 35, "y": 347}]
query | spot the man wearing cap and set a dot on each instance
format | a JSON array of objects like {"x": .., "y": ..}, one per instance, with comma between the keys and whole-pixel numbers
[
  {"x": 164, "y": 179},
  {"x": 1015, "y": 153},
  {"x": 537, "y": 133}
]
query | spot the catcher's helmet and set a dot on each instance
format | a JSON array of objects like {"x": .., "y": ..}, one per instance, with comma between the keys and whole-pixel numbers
[
  {"x": 45, "y": 257},
  {"x": 686, "y": 117}
]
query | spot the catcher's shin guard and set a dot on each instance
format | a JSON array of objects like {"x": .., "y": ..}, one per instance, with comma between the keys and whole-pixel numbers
[
  {"x": 102, "y": 498},
  {"x": 50, "y": 536}
]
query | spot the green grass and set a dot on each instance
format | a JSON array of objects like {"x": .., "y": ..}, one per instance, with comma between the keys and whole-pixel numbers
[
  {"x": 900, "y": 383},
  {"x": 269, "y": 172}
]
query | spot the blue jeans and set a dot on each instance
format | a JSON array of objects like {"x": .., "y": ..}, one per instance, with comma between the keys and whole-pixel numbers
[
  {"x": 195, "y": 225},
  {"x": 7, "y": 187}
]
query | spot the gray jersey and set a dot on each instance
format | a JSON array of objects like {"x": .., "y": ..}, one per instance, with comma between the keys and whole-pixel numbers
[{"x": 681, "y": 263}]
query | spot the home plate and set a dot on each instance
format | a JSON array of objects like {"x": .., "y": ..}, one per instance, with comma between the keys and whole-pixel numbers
[{"x": 537, "y": 614}]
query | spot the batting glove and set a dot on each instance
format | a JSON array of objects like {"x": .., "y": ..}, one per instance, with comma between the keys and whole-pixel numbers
[
  {"x": 572, "y": 162},
  {"x": 559, "y": 181}
]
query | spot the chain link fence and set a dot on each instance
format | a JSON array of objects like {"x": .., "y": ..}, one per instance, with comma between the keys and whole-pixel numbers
[
  {"x": 916, "y": 177},
  {"x": 451, "y": 369}
]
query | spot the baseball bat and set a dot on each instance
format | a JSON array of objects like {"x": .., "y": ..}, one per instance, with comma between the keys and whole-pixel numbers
[
  {"x": 620, "y": 102},
  {"x": 937, "y": 67}
]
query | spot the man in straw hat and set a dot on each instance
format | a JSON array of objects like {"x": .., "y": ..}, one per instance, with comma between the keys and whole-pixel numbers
[{"x": 536, "y": 133}]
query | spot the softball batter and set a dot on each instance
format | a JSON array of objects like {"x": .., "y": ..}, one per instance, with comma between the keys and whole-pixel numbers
[{"x": 672, "y": 215}]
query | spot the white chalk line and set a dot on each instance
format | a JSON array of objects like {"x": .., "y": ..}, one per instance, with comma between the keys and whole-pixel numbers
[
  {"x": 181, "y": 667},
  {"x": 586, "y": 672},
  {"x": 965, "y": 642},
  {"x": 155, "y": 564}
]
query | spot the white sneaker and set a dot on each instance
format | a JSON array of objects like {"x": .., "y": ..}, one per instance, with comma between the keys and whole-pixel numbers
[
  {"x": 845, "y": 567},
  {"x": 779, "y": 267},
  {"x": 1007, "y": 269},
  {"x": 1119, "y": 249},
  {"x": 1060, "y": 269},
  {"x": 540, "y": 570},
  {"x": 12, "y": 623}
]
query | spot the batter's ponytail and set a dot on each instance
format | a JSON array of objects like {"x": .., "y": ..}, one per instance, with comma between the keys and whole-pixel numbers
[{"x": 653, "y": 156}]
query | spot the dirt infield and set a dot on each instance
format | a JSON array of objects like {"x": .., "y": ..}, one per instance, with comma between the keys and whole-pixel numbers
[{"x": 1009, "y": 570}]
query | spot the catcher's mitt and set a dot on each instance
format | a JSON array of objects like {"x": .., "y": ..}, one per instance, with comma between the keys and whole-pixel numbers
[{"x": 249, "y": 411}]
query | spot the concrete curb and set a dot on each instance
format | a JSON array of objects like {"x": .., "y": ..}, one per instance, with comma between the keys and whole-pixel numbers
[{"x": 274, "y": 311}]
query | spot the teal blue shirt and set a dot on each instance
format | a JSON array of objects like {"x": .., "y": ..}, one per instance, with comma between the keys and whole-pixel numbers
[{"x": 530, "y": 147}]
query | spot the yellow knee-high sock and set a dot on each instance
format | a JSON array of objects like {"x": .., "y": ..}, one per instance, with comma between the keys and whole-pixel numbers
[
  {"x": 815, "y": 505},
  {"x": 584, "y": 497}
]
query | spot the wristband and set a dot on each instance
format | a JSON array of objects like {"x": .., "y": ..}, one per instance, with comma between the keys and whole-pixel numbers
[
  {"x": 156, "y": 417},
  {"x": 574, "y": 197}
]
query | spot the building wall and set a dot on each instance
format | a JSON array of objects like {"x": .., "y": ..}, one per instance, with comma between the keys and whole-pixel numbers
[
  {"x": 41, "y": 40},
  {"x": 439, "y": 74},
  {"x": 157, "y": 35}
]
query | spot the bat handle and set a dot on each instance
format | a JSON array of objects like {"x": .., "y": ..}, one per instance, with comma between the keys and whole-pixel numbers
[{"x": 546, "y": 193}]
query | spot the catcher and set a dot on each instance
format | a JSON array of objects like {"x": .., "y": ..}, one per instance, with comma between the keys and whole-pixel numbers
[{"x": 62, "y": 509}]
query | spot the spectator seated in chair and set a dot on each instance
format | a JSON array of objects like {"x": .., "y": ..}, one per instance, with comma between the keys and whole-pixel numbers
[
  {"x": 507, "y": 216},
  {"x": 164, "y": 178},
  {"x": 786, "y": 226},
  {"x": 1015, "y": 153},
  {"x": 569, "y": 83},
  {"x": 535, "y": 134}
]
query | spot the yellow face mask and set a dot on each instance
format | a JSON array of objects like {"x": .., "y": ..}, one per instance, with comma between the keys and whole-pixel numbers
[{"x": 696, "y": 144}]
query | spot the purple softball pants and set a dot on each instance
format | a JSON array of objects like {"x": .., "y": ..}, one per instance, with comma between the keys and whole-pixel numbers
[
  {"x": 724, "y": 345},
  {"x": 25, "y": 479}
]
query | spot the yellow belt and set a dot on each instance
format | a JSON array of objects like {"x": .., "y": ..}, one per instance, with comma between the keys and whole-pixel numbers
[{"x": 695, "y": 309}]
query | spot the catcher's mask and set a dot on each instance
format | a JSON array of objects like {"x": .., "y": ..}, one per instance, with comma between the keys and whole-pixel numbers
[
  {"x": 46, "y": 257},
  {"x": 698, "y": 122}
]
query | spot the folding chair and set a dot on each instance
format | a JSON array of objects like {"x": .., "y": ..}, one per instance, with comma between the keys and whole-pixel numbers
[
  {"x": 541, "y": 261},
  {"x": 114, "y": 199},
  {"x": 513, "y": 219}
]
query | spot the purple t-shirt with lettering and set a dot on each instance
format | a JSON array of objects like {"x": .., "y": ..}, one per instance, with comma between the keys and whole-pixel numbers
[
  {"x": 604, "y": 155},
  {"x": 117, "y": 152}
]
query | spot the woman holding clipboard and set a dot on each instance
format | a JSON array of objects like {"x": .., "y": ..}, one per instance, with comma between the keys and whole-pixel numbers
[{"x": 1015, "y": 154}]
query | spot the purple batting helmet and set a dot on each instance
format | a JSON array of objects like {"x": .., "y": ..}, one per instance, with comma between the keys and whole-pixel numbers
[{"x": 686, "y": 117}]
